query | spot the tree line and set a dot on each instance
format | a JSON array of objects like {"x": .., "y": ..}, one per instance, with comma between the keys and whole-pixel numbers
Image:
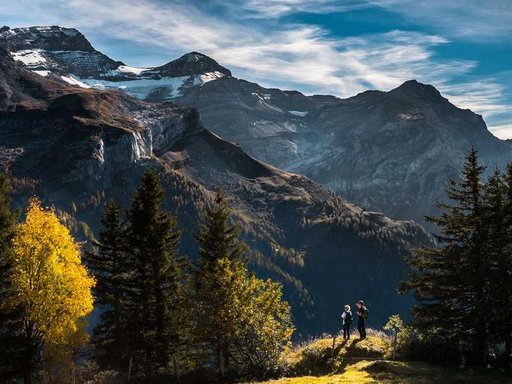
[
  {"x": 160, "y": 314},
  {"x": 463, "y": 287}
]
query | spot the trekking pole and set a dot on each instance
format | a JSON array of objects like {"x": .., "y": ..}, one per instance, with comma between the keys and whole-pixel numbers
[{"x": 333, "y": 344}]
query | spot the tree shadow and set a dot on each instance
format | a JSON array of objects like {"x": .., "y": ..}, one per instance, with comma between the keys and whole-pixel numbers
[{"x": 348, "y": 356}]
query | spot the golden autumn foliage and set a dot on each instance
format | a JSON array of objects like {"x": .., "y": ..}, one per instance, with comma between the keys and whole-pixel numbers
[{"x": 51, "y": 283}]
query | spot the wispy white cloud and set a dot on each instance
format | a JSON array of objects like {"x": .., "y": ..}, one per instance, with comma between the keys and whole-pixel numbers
[
  {"x": 278, "y": 8},
  {"x": 503, "y": 131},
  {"x": 292, "y": 56},
  {"x": 484, "y": 20}
]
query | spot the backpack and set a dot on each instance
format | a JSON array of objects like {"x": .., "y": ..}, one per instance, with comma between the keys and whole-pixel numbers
[{"x": 348, "y": 317}]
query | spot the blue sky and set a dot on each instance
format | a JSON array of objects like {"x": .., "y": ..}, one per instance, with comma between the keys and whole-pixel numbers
[{"x": 464, "y": 48}]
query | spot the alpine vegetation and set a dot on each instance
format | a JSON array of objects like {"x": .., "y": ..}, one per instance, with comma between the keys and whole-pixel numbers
[
  {"x": 166, "y": 315},
  {"x": 464, "y": 286}
]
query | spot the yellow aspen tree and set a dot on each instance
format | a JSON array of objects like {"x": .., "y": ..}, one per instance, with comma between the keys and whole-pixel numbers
[{"x": 50, "y": 282}]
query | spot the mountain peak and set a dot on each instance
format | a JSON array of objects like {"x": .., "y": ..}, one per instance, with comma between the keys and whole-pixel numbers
[
  {"x": 192, "y": 63},
  {"x": 194, "y": 57},
  {"x": 415, "y": 88},
  {"x": 50, "y": 38}
]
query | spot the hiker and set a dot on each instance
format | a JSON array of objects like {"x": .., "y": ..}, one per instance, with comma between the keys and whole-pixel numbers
[
  {"x": 347, "y": 322},
  {"x": 362, "y": 315}
]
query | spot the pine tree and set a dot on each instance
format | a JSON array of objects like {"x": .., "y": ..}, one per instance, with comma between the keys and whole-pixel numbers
[
  {"x": 496, "y": 247},
  {"x": 219, "y": 251},
  {"x": 157, "y": 279},
  {"x": 503, "y": 279},
  {"x": 451, "y": 283},
  {"x": 10, "y": 341},
  {"x": 110, "y": 266}
]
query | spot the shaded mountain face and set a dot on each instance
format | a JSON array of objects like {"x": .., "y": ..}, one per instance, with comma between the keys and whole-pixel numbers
[
  {"x": 387, "y": 151},
  {"x": 77, "y": 148},
  {"x": 391, "y": 151}
]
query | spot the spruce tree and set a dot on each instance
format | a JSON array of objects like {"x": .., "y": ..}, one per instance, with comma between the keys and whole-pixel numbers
[
  {"x": 219, "y": 251},
  {"x": 110, "y": 266},
  {"x": 503, "y": 282},
  {"x": 451, "y": 283},
  {"x": 11, "y": 342},
  {"x": 152, "y": 238}
]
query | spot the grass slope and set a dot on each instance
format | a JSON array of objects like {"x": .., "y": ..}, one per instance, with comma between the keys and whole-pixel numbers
[{"x": 361, "y": 362}]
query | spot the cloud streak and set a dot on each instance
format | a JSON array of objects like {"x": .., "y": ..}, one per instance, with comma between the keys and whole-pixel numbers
[
  {"x": 480, "y": 20},
  {"x": 287, "y": 55}
]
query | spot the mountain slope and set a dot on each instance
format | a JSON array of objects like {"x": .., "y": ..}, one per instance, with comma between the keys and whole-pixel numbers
[
  {"x": 391, "y": 151},
  {"x": 77, "y": 148}
]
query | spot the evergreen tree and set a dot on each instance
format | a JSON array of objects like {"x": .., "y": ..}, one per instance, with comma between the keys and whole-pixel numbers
[
  {"x": 157, "y": 279},
  {"x": 241, "y": 319},
  {"x": 110, "y": 266},
  {"x": 496, "y": 249},
  {"x": 10, "y": 341},
  {"x": 503, "y": 278},
  {"x": 451, "y": 283},
  {"x": 219, "y": 251}
]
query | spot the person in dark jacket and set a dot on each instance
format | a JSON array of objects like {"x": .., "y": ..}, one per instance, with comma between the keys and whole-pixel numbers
[
  {"x": 362, "y": 315},
  {"x": 347, "y": 322}
]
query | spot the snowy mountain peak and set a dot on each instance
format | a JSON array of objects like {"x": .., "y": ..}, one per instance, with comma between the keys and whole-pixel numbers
[
  {"x": 193, "y": 63},
  {"x": 50, "y": 38},
  {"x": 193, "y": 57},
  {"x": 64, "y": 54}
]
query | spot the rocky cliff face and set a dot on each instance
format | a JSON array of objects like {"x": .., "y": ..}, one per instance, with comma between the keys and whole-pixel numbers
[
  {"x": 386, "y": 151},
  {"x": 77, "y": 148},
  {"x": 56, "y": 50}
]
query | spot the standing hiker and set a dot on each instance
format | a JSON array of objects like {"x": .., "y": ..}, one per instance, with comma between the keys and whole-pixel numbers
[
  {"x": 362, "y": 315},
  {"x": 347, "y": 322}
]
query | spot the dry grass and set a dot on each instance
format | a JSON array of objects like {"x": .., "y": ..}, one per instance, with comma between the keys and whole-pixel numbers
[
  {"x": 362, "y": 362},
  {"x": 392, "y": 372}
]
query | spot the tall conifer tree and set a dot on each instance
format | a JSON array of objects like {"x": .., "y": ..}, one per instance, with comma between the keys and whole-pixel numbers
[
  {"x": 152, "y": 240},
  {"x": 11, "y": 341},
  {"x": 451, "y": 283},
  {"x": 110, "y": 266},
  {"x": 504, "y": 279},
  {"x": 219, "y": 253}
]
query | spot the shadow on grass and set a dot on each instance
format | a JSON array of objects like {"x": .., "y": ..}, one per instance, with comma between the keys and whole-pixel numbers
[
  {"x": 422, "y": 373},
  {"x": 348, "y": 356}
]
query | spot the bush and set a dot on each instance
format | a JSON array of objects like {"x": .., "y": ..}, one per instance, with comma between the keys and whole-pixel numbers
[
  {"x": 89, "y": 373},
  {"x": 412, "y": 344}
]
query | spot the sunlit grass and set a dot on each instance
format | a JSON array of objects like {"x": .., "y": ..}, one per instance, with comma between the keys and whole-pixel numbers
[{"x": 364, "y": 361}]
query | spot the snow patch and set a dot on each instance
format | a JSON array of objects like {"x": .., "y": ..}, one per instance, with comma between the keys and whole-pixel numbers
[
  {"x": 43, "y": 73},
  {"x": 73, "y": 80},
  {"x": 298, "y": 113},
  {"x": 210, "y": 76},
  {"x": 29, "y": 57},
  {"x": 142, "y": 88},
  {"x": 134, "y": 70}
]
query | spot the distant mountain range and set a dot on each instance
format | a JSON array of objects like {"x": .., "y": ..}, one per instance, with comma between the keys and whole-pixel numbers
[
  {"x": 78, "y": 147},
  {"x": 386, "y": 151}
]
